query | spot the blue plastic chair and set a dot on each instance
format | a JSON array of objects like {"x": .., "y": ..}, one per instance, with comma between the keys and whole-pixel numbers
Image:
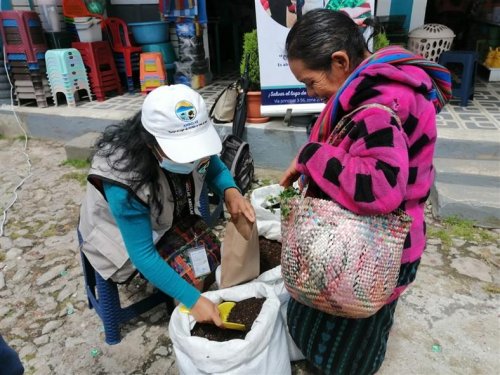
[
  {"x": 104, "y": 297},
  {"x": 106, "y": 302},
  {"x": 465, "y": 88}
]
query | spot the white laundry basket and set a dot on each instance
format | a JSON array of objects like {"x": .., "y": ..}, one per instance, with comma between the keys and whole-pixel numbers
[{"x": 430, "y": 40}]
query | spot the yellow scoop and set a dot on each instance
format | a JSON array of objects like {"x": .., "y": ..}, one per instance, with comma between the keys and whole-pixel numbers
[{"x": 224, "y": 310}]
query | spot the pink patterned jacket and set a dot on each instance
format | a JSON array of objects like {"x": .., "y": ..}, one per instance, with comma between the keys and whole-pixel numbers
[{"x": 379, "y": 166}]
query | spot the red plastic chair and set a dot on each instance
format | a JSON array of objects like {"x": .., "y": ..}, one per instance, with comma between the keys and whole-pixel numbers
[
  {"x": 120, "y": 43},
  {"x": 21, "y": 32},
  {"x": 101, "y": 69}
]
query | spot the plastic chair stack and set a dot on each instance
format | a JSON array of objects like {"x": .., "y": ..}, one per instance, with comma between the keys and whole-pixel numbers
[
  {"x": 66, "y": 73},
  {"x": 101, "y": 68},
  {"x": 152, "y": 71},
  {"x": 4, "y": 80},
  {"x": 126, "y": 55},
  {"x": 25, "y": 47},
  {"x": 168, "y": 54}
]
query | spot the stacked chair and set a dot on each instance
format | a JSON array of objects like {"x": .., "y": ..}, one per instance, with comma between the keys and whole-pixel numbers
[
  {"x": 100, "y": 64},
  {"x": 168, "y": 54},
  {"x": 154, "y": 37},
  {"x": 96, "y": 54},
  {"x": 4, "y": 80},
  {"x": 152, "y": 71},
  {"x": 126, "y": 55},
  {"x": 25, "y": 46},
  {"x": 66, "y": 73}
]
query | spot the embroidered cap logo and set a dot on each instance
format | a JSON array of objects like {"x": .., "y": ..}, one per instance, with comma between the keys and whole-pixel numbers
[{"x": 185, "y": 111}]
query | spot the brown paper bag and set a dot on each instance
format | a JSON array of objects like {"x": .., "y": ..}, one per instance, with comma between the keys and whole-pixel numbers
[{"x": 240, "y": 255}]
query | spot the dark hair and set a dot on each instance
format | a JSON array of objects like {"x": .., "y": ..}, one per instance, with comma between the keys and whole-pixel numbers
[
  {"x": 319, "y": 33},
  {"x": 132, "y": 143}
]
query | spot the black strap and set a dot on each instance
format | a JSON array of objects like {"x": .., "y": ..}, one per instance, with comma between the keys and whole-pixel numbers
[{"x": 176, "y": 182}]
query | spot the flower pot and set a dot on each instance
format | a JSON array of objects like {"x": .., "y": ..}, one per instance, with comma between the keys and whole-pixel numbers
[{"x": 253, "y": 108}]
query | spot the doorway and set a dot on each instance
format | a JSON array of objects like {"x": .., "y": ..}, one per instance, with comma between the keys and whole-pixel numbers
[{"x": 228, "y": 20}]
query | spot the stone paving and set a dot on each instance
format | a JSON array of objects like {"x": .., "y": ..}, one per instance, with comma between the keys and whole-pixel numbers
[{"x": 447, "y": 323}]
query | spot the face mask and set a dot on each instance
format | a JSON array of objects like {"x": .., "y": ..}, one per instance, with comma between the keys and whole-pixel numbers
[{"x": 180, "y": 168}]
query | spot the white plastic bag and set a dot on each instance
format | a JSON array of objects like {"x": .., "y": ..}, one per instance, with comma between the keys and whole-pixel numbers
[
  {"x": 293, "y": 351},
  {"x": 274, "y": 279},
  {"x": 263, "y": 351},
  {"x": 268, "y": 222}
]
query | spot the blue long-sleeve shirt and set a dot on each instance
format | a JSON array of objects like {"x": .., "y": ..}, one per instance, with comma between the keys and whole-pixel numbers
[{"x": 133, "y": 220}]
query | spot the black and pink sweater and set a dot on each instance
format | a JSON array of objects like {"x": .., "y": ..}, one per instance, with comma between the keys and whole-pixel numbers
[{"x": 380, "y": 166}]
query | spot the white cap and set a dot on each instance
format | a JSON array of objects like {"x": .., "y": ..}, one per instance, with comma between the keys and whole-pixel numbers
[{"x": 177, "y": 117}]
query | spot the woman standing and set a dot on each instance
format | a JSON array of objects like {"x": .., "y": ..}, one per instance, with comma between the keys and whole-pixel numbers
[{"x": 375, "y": 169}]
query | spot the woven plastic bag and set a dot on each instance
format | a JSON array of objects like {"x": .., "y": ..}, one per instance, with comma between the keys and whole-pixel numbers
[{"x": 337, "y": 261}]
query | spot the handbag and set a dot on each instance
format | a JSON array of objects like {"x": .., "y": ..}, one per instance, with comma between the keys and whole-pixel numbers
[
  {"x": 190, "y": 247},
  {"x": 176, "y": 246},
  {"x": 222, "y": 110},
  {"x": 337, "y": 261}
]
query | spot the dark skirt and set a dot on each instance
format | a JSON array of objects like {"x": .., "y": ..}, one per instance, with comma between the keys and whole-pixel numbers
[{"x": 337, "y": 345}]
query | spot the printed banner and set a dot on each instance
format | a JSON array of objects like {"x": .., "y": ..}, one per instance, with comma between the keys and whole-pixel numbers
[{"x": 280, "y": 90}]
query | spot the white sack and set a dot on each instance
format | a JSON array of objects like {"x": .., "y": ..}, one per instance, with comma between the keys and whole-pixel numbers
[
  {"x": 274, "y": 279},
  {"x": 293, "y": 351},
  {"x": 263, "y": 351}
]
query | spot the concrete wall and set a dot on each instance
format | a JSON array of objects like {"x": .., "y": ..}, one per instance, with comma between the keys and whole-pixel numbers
[{"x": 273, "y": 145}]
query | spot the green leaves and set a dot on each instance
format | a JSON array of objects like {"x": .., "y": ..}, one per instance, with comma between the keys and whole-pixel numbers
[
  {"x": 273, "y": 202},
  {"x": 285, "y": 196},
  {"x": 251, "y": 48}
]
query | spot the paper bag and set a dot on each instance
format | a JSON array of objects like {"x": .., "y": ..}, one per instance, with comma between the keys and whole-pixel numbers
[{"x": 241, "y": 255}]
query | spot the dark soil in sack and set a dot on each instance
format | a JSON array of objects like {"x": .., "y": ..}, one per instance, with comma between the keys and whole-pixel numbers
[
  {"x": 270, "y": 254},
  {"x": 244, "y": 312}
]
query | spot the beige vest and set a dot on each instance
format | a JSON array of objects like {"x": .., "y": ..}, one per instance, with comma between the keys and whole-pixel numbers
[{"x": 102, "y": 241}]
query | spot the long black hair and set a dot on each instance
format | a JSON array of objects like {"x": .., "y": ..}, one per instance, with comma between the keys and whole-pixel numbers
[
  {"x": 321, "y": 32},
  {"x": 132, "y": 144}
]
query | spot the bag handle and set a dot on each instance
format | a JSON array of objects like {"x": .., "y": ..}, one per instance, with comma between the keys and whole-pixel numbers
[
  {"x": 232, "y": 85},
  {"x": 339, "y": 130}
]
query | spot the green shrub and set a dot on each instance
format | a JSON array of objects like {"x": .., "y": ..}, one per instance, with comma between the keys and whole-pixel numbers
[{"x": 251, "y": 48}]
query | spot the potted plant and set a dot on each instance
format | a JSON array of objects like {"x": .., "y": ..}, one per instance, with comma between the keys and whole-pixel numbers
[
  {"x": 251, "y": 49},
  {"x": 380, "y": 41}
]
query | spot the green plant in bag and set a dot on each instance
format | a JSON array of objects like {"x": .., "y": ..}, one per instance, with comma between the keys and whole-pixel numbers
[{"x": 287, "y": 194}]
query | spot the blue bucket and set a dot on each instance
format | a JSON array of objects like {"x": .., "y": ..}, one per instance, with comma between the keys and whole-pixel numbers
[{"x": 150, "y": 32}]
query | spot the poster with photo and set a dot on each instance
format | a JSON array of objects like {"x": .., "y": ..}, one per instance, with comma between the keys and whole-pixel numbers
[{"x": 280, "y": 90}]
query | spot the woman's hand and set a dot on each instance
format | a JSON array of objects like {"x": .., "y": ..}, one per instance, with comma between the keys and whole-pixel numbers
[
  {"x": 205, "y": 311},
  {"x": 238, "y": 205},
  {"x": 291, "y": 174}
]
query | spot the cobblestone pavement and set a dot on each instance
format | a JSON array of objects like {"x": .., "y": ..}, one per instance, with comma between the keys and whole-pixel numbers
[{"x": 447, "y": 323}]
